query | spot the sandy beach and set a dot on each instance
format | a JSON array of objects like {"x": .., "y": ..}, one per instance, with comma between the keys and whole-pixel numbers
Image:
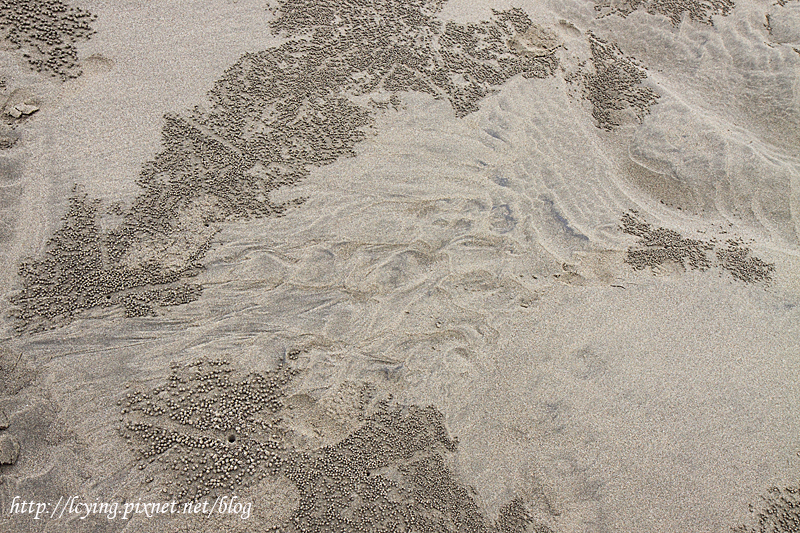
[{"x": 419, "y": 266}]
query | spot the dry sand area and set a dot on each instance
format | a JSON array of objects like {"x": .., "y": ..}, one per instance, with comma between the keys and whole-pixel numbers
[{"x": 416, "y": 266}]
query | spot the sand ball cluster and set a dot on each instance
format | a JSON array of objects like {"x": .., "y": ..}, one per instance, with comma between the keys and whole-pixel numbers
[
  {"x": 76, "y": 273},
  {"x": 271, "y": 118},
  {"x": 777, "y": 512},
  {"x": 658, "y": 246},
  {"x": 356, "y": 485},
  {"x": 205, "y": 431},
  {"x": 615, "y": 85},
  {"x": 697, "y": 10},
  {"x": 388, "y": 46},
  {"x": 391, "y": 475},
  {"x": 46, "y": 31},
  {"x": 737, "y": 259}
]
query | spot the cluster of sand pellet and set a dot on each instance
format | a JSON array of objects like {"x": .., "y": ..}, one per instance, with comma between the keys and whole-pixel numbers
[
  {"x": 46, "y": 32},
  {"x": 273, "y": 116},
  {"x": 206, "y": 431},
  {"x": 657, "y": 246},
  {"x": 698, "y": 10}
]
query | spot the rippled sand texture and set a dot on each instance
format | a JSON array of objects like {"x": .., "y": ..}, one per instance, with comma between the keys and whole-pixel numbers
[{"x": 403, "y": 266}]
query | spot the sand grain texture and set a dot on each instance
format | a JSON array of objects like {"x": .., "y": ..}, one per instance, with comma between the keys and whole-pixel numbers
[{"x": 416, "y": 266}]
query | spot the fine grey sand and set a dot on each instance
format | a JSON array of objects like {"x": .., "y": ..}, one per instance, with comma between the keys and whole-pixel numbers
[{"x": 418, "y": 266}]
